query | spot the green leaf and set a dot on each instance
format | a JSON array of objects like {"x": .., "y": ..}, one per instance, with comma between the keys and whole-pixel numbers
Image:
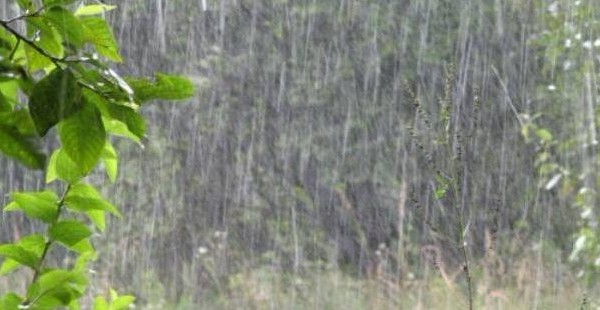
[
  {"x": 10, "y": 301},
  {"x": 38, "y": 205},
  {"x": 67, "y": 25},
  {"x": 122, "y": 302},
  {"x": 544, "y": 134},
  {"x": 83, "y": 260},
  {"x": 100, "y": 303},
  {"x": 83, "y": 137},
  {"x": 118, "y": 128},
  {"x": 83, "y": 246},
  {"x": 111, "y": 161},
  {"x": 19, "y": 120},
  {"x": 98, "y": 217},
  {"x": 62, "y": 167},
  {"x": 131, "y": 118},
  {"x": 84, "y": 204},
  {"x": 19, "y": 254},
  {"x": 8, "y": 266},
  {"x": 69, "y": 232},
  {"x": 84, "y": 198},
  {"x": 94, "y": 9},
  {"x": 98, "y": 32},
  {"x": 26, "y": 4},
  {"x": 167, "y": 87},
  {"x": 54, "y": 98},
  {"x": 49, "y": 3},
  {"x": 33, "y": 243},
  {"x": 47, "y": 38},
  {"x": 22, "y": 148},
  {"x": 57, "y": 287}
]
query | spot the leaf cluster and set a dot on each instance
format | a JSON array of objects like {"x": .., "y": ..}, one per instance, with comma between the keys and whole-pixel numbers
[{"x": 56, "y": 80}]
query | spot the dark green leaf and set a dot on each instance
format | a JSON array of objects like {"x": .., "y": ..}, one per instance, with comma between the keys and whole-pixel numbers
[
  {"x": 49, "y": 3},
  {"x": 131, "y": 118},
  {"x": 83, "y": 137},
  {"x": 54, "y": 98},
  {"x": 167, "y": 87},
  {"x": 67, "y": 25},
  {"x": 22, "y": 148},
  {"x": 69, "y": 233}
]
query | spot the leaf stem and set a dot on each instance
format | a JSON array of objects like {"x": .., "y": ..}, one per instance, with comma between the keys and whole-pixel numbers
[{"x": 49, "y": 243}]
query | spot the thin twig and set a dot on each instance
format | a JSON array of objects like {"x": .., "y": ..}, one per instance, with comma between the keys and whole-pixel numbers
[
  {"x": 49, "y": 243},
  {"x": 14, "y": 19},
  {"x": 29, "y": 42}
]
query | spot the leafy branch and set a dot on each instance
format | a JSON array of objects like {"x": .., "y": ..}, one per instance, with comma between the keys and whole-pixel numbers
[{"x": 88, "y": 103}]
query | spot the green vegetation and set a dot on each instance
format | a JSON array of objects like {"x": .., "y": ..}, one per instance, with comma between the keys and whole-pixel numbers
[{"x": 57, "y": 75}]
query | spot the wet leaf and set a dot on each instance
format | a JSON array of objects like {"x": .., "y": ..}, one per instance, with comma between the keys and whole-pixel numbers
[
  {"x": 98, "y": 32},
  {"x": 164, "y": 86},
  {"x": 83, "y": 137},
  {"x": 19, "y": 254},
  {"x": 67, "y": 25},
  {"x": 22, "y": 148},
  {"x": 69, "y": 232},
  {"x": 38, "y": 205},
  {"x": 94, "y": 9},
  {"x": 54, "y": 98}
]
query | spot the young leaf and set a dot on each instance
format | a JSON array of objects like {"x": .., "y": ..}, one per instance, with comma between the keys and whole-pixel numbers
[
  {"x": 83, "y": 137},
  {"x": 122, "y": 302},
  {"x": 61, "y": 166},
  {"x": 111, "y": 161},
  {"x": 98, "y": 217},
  {"x": 84, "y": 204},
  {"x": 39, "y": 205},
  {"x": 100, "y": 303},
  {"x": 94, "y": 9},
  {"x": 54, "y": 98},
  {"x": 84, "y": 197},
  {"x": 98, "y": 32},
  {"x": 69, "y": 232},
  {"x": 167, "y": 87}
]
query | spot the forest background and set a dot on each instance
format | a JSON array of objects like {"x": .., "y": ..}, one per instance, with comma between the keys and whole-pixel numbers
[{"x": 345, "y": 153}]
